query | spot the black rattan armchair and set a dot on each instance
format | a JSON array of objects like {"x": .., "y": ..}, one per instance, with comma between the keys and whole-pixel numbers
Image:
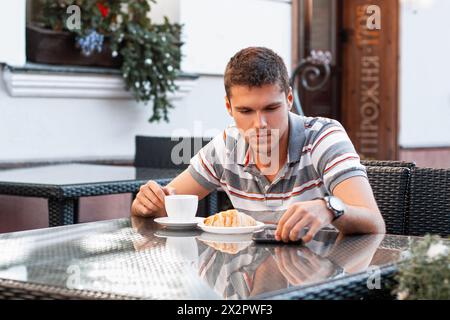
[
  {"x": 430, "y": 202},
  {"x": 156, "y": 152},
  {"x": 391, "y": 189},
  {"x": 388, "y": 163}
]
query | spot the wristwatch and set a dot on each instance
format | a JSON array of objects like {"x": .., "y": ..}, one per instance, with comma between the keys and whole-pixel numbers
[{"x": 335, "y": 205}]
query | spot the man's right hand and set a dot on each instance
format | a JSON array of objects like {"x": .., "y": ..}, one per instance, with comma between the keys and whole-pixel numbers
[{"x": 149, "y": 201}]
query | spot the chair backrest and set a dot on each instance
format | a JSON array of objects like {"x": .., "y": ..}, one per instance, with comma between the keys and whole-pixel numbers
[
  {"x": 156, "y": 152},
  {"x": 390, "y": 186},
  {"x": 388, "y": 163},
  {"x": 430, "y": 202}
]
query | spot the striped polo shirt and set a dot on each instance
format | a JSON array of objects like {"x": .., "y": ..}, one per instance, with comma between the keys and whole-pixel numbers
[{"x": 320, "y": 156}]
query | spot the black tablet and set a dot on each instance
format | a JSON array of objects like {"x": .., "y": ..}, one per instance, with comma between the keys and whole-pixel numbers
[{"x": 267, "y": 236}]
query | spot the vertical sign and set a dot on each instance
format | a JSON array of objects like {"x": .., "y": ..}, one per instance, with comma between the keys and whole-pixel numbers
[{"x": 370, "y": 76}]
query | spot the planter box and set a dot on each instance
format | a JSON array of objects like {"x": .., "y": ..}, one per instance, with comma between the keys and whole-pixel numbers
[{"x": 58, "y": 47}]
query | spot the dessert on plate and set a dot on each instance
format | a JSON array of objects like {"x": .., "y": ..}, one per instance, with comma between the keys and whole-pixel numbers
[{"x": 230, "y": 218}]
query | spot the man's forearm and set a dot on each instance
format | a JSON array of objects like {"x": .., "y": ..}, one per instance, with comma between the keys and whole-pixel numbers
[{"x": 360, "y": 220}]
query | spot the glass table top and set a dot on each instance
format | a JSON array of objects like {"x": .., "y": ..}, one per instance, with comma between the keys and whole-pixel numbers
[
  {"x": 69, "y": 174},
  {"x": 137, "y": 257}
]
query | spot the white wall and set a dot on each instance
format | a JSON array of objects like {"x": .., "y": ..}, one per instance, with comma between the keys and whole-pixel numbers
[
  {"x": 43, "y": 128},
  {"x": 424, "y": 74},
  {"x": 12, "y": 32},
  {"x": 169, "y": 8},
  {"x": 38, "y": 129},
  {"x": 215, "y": 30}
]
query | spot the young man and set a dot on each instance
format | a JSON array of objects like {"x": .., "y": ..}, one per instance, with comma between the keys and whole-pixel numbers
[{"x": 275, "y": 165}]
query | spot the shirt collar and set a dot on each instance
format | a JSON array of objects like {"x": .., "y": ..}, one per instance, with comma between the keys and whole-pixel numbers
[{"x": 297, "y": 137}]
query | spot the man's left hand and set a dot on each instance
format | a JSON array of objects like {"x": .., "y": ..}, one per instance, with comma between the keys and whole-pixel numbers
[{"x": 313, "y": 214}]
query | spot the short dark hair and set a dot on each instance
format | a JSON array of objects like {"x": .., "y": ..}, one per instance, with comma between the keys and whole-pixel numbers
[{"x": 255, "y": 67}]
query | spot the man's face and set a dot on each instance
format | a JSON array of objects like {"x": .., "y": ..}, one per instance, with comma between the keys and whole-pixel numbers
[{"x": 261, "y": 115}]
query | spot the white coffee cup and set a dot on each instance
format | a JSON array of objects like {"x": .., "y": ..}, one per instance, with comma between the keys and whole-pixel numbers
[{"x": 181, "y": 207}]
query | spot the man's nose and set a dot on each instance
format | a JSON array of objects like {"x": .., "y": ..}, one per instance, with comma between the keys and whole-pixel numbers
[{"x": 260, "y": 121}]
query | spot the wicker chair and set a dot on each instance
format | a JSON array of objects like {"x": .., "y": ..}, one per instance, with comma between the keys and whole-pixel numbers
[
  {"x": 391, "y": 188},
  {"x": 146, "y": 155},
  {"x": 430, "y": 202},
  {"x": 155, "y": 152},
  {"x": 388, "y": 163}
]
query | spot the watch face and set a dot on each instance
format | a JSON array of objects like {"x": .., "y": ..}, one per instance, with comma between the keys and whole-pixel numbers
[{"x": 337, "y": 204}]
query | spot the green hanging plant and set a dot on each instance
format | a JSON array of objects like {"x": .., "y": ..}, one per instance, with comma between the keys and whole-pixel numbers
[{"x": 151, "y": 53}]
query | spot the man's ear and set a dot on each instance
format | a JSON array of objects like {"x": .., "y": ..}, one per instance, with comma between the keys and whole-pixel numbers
[
  {"x": 228, "y": 105},
  {"x": 290, "y": 98}
]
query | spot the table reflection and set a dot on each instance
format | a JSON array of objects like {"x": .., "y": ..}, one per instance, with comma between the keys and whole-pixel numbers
[
  {"x": 138, "y": 258},
  {"x": 236, "y": 268}
]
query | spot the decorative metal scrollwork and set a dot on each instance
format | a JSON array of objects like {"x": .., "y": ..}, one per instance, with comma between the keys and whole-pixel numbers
[{"x": 314, "y": 72}]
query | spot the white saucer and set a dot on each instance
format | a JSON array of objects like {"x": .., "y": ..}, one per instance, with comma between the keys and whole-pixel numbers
[
  {"x": 242, "y": 238},
  {"x": 230, "y": 230},
  {"x": 165, "y": 221},
  {"x": 178, "y": 233}
]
